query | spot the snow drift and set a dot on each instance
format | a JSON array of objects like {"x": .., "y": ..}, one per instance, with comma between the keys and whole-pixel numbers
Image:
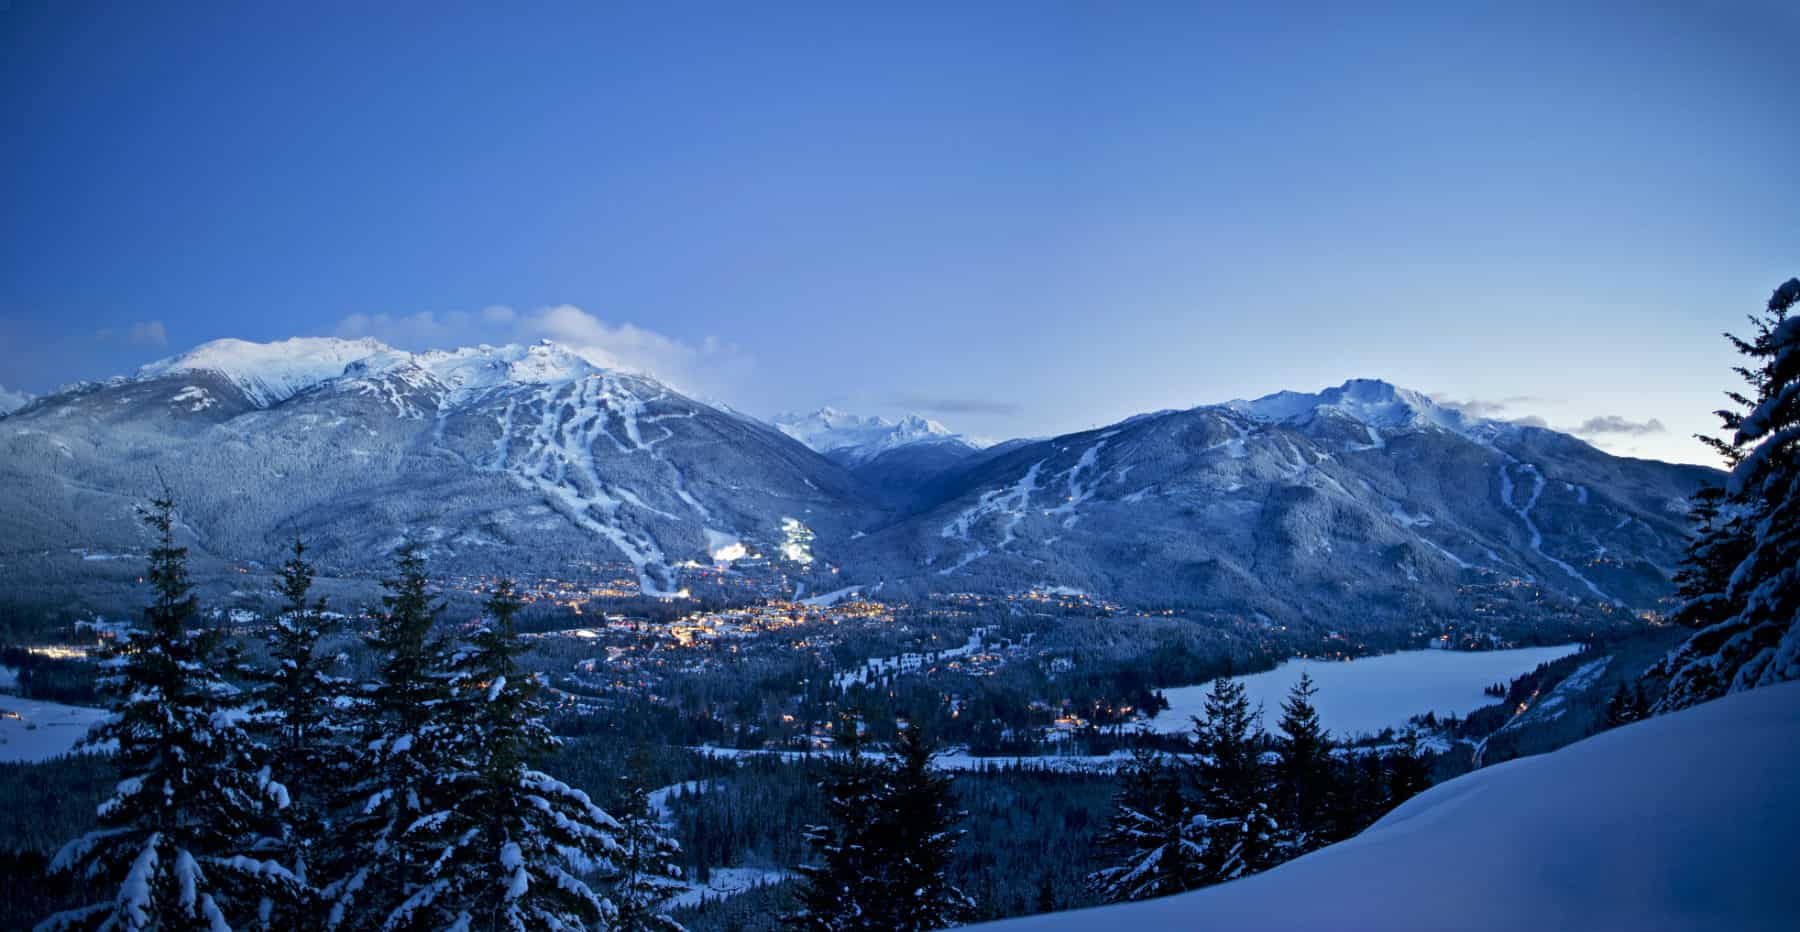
[{"x": 1688, "y": 821}]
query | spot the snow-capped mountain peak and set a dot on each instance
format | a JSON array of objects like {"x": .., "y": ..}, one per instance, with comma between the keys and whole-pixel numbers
[
  {"x": 475, "y": 368},
  {"x": 269, "y": 373},
  {"x": 830, "y": 431},
  {"x": 1374, "y": 405}
]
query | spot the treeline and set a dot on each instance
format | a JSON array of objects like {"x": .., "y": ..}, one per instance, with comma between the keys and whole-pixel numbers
[
  {"x": 42, "y": 804},
  {"x": 52, "y": 679},
  {"x": 1239, "y": 801},
  {"x": 1028, "y": 839}
]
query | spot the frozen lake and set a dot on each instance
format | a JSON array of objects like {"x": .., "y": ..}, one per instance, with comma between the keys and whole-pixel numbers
[{"x": 1372, "y": 693}]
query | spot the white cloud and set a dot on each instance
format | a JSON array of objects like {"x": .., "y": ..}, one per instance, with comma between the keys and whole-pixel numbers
[
  {"x": 143, "y": 333},
  {"x": 148, "y": 333},
  {"x": 1614, "y": 424},
  {"x": 710, "y": 368}
]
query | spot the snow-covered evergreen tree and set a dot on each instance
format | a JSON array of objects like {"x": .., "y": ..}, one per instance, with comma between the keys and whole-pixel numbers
[
  {"x": 647, "y": 874},
  {"x": 920, "y": 815},
  {"x": 1721, "y": 541},
  {"x": 1154, "y": 843},
  {"x": 380, "y": 850},
  {"x": 510, "y": 848},
  {"x": 841, "y": 893},
  {"x": 185, "y": 840},
  {"x": 1231, "y": 786},
  {"x": 1303, "y": 779},
  {"x": 887, "y": 844},
  {"x": 1754, "y": 636},
  {"x": 292, "y": 711}
]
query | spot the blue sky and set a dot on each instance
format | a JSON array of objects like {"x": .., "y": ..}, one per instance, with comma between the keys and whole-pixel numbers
[{"x": 1018, "y": 218}]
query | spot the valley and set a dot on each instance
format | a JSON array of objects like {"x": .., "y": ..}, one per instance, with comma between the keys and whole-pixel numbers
[{"x": 717, "y": 593}]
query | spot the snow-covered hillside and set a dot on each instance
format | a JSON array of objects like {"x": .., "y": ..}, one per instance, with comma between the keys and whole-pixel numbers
[
  {"x": 1687, "y": 821},
  {"x": 1356, "y": 503},
  {"x": 500, "y": 456},
  {"x": 1364, "y": 499}
]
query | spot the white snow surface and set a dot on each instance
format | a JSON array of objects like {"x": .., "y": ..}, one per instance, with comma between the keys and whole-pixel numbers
[
  {"x": 43, "y": 729},
  {"x": 1685, "y": 821},
  {"x": 1365, "y": 695},
  {"x": 828, "y": 599},
  {"x": 828, "y": 430},
  {"x": 470, "y": 370},
  {"x": 269, "y": 373}
]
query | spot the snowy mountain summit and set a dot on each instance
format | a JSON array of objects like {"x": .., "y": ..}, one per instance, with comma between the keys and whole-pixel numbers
[
  {"x": 528, "y": 456},
  {"x": 268, "y": 373},
  {"x": 1376, "y": 406},
  {"x": 852, "y": 438},
  {"x": 517, "y": 456}
]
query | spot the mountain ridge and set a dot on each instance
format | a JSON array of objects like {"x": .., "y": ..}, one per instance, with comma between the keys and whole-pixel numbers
[{"x": 1360, "y": 498}]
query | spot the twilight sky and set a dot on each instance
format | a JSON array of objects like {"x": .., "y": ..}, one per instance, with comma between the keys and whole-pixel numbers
[{"x": 1017, "y": 218}]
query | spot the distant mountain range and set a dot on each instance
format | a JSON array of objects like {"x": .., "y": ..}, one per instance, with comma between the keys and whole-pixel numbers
[
  {"x": 1364, "y": 500},
  {"x": 849, "y": 438},
  {"x": 898, "y": 460}
]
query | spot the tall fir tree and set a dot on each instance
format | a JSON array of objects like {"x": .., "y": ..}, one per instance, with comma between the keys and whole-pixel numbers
[
  {"x": 185, "y": 840},
  {"x": 292, "y": 706},
  {"x": 1721, "y": 541},
  {"x": 1154, "y": 843},
  {"x": 381, "y": 849},
  {"x": 1303, "y": 778},
  {"x": 1231, "y": 785},
  {"x": 886, "y": 845},
  {"x": 647, "y": 874},
  {"x": 1753, "y": 638},
  {"x": 841, "y": 892},
  {"x": 919, "y": 815},
  {"x": 1408, "y": 769},
  {"x": 511, "y": 848}
]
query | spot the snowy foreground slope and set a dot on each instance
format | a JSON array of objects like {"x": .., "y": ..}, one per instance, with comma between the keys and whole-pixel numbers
[{"x": 1688, "y": 821}]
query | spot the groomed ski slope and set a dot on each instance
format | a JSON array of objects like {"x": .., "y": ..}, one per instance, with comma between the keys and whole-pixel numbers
[{"x": 1687, "y": 821}]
